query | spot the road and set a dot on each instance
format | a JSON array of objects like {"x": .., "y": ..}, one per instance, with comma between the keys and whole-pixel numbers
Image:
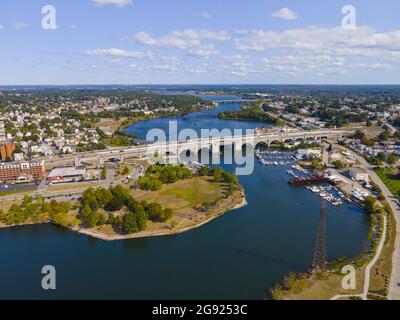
[
  {"x": 188, "y": 145},
  {"x": 394, "y": 288}
]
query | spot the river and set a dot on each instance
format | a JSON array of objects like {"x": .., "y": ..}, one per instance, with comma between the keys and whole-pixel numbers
[{"x": 237, "y": 256}]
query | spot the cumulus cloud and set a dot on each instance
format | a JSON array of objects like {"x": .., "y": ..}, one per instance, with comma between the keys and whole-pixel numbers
[
  {"x": 183, "y": 39},
  {"x": 204, "y": 51},
  {"x": 362, "y": 40},
  {"x": 113, "y": 52},
  {"x": 20, "y": 25},
  {"x": 285, "y": 14},
  {"x": 118, "y": 3},
  {"x": 236, "y": 65}
]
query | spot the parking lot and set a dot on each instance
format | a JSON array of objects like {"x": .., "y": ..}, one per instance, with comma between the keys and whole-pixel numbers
[{"x": 10, "y": 188}]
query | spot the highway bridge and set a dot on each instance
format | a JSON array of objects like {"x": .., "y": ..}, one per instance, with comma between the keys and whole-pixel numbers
[
  {"x": 217, "y": 102},
  {"x": 213, "y": 144}
]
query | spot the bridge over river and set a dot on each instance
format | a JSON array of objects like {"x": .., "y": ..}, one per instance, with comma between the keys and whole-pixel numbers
[{"x": 213, "y": 144}]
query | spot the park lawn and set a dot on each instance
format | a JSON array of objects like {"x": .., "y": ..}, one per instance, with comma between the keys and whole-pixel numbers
[
  {"x": 324, "y": 288},
  {"x": 206, "y": 189},
  {"x": 391, "y": 180},
  {"x": 71, "y": 186},
  {"x": 181, "y": 194}
]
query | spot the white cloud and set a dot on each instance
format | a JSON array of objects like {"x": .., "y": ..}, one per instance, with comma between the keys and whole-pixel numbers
[
  {"x": 285, "y": 14},
  {"x": 361, "y": 41},
  {"x": 204, "y": 51},
  {"x": 73, "y": 27},
  {"x": 20, "y": 25},
  {"x": 236, "y": 65},
  {"x": 198, "y": 71},
  {"x": 203, "y": 14},
  {"x": 372, "y": 66},
  {"x": 112, "y": 52},
  {"x": 183, "y": 39},
  {"x": 119, "y": 3},
  {"x": 1, "y": 27}
]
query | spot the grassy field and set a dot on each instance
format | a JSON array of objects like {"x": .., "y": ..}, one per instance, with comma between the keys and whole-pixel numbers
[
  {"x": 110, "y": 123},
  {"x": 390, "y": 179},
  {"x": 181, "y": 195},
  {"x": 326, "y": 286},
  {"x": 71, "y": 186}
]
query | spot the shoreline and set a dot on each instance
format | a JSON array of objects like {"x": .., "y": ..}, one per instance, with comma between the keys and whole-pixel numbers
[
  {"x": 104, "y": 237},
  {"x": 144, "y": 234}
]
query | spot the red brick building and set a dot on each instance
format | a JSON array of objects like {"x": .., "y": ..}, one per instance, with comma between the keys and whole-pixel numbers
[
  {"x": 7, "y": 151},
  {"x": 22, "y": 171}
]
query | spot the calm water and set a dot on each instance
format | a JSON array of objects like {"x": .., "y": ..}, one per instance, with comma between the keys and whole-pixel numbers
[
  {"x": 237, "y": 256},
  {"x": 197, "y": 120}
]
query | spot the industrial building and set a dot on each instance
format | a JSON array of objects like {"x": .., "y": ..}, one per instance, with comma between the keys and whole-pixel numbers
[
  {"x": 67, "y": 174},
  {"x": 22, "y": 171}
]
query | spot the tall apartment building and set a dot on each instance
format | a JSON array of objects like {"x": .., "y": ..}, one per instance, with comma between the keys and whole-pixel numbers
[
  {"x": 7, "y": 151},
  {"x": 22, "y": 171}
]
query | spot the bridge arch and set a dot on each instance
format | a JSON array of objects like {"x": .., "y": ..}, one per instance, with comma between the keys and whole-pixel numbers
[
  {"x": 188, "y": 156},
  {"x": 289, "y": 141},
  {"x": 274, "y": 142},
  {"x": 261, "y": 144}
]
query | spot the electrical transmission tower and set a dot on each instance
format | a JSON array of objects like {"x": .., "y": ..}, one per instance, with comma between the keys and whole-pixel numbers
[{"x": 319, "y": 258}]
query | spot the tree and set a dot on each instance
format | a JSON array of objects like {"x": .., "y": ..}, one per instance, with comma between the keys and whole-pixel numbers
[
  {"x": 384, "y": 135},
  {"x": 204, "y": 171},
  {"x": 61, "y": 218},
  {"x": 27, "y": 200},
  {"x": 359, "y": 134},
  {"x": 103, "y": 196},
  {"x": 101, "y": 219},
  {"x": 393, "y": 158},
  {"x": 125, "y": 171},
  {"x": 129, "y": 223},
  {"x": 218, "y": 175},
  {"x": 141, "y": 219},
  {"x": 88, "y": 216},
  {"x": 370, "y": 205},
  {"x": 381, "y": 156},
  {"x": 115, "y": 204},
  {"x": 338, "y": 164},
  {"x": 168, "y": 213},
  {"x": 155, "y": 212}
]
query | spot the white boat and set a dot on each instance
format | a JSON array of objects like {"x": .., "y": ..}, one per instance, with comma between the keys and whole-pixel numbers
[{"x": 315, "y": 189}]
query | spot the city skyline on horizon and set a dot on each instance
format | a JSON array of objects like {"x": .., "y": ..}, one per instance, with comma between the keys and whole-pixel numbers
[{"x": 123, "y": 42}]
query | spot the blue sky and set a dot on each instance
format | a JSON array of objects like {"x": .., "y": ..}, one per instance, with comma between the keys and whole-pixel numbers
[{"x": 199, "y": 42}]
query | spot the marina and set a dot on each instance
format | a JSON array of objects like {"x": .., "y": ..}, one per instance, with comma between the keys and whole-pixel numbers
[{"x": 302, "y": 176}]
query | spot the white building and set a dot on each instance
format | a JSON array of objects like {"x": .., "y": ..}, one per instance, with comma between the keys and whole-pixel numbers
[
  {"x": 304, "y": 154},
  {"x": 358, "y": 174}
]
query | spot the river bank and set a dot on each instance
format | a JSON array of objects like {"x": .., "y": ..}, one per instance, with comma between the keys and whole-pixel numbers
[
  {"x": 237, "y": 256},
  {"x": 147, "y": 234},
  {"x": 177, "y": 196}
]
